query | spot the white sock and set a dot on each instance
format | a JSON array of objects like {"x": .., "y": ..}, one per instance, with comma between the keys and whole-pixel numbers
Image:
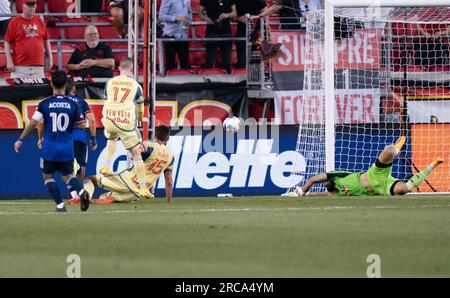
[{"x": 60, "y": 205}]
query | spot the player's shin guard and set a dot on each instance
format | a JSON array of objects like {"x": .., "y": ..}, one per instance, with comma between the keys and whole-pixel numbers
[
  {"x": 75, "y": 184},
  {"x": 418, "y": 178},
  {"x": 140, "y": 170},
  {"x": 53, "y": 190}
]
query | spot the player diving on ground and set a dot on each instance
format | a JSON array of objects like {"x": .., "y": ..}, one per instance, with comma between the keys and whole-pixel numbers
[
  {"x": 124, "y": 187},
  {"x": 376, "y": 181}
]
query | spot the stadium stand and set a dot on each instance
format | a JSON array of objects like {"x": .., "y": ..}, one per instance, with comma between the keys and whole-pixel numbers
[
  {"x": 180, "y": 72},
  {"x": 65, "y": 30},
  {"x": 212, "y": 71}
]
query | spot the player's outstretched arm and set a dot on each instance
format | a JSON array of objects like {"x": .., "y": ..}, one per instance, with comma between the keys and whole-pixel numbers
[
  {"x": 40, "y": 131},
  {"x": 28, "y": 129},
  {"x": 169, "y": 185},
  {"x": 313, "y": 180},
  {"x": 92, "y": 130}
]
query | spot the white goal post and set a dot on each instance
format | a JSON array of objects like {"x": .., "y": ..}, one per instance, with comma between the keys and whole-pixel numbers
[
  {"x": 374, "y": 71},
  {"x": 330, "y": 5}
]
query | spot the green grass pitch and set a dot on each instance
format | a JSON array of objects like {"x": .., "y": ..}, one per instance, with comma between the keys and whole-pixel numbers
[{"x": 229, "y": 237}]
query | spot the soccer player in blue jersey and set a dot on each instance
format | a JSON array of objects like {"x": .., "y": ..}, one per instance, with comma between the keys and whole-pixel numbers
[
  {"x": 82, "y": 138},
  {"x": 59, "y": 114}
]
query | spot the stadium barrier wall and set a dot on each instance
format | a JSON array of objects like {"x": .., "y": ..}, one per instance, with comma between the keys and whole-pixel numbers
[{"x": 208, "y": 162}]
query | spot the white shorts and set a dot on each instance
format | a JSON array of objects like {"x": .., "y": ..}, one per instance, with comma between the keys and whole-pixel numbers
[{"x": 28, "y": 72}]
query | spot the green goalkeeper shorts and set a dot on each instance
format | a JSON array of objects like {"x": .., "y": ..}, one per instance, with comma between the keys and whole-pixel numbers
[{"x": 380, "y": 179}]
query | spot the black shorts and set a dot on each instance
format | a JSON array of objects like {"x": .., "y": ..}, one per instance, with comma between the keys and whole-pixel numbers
[
  {"x": 4, "y": 27},
  {"x": 65, "y": 168},
  {"x": 80, "y": 152}
]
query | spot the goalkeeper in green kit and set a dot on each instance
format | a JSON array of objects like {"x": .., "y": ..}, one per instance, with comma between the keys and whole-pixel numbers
[{"x": 376, "y": 181}]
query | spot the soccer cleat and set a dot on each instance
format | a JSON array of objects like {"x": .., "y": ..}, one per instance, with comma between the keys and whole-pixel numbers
[
  {"x": 84, "y": 201},
  {"x": 74, "y": 201},
  {"x": 105, "y": 200},
  {"x": 105, "y": 170},
  {"x": 145, "y": 193},
  {"x": 437, "y": 162},
  {"x": 89, "y": 187},
  {"x": 400, "y": 143},
  {"x": 63, "y": 209}
]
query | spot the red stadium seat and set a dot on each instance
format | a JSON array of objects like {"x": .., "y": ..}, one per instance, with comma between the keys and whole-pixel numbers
[
  {"x": 107, "y": 32},
  {"x": 67, "y": 50},
  {"x": 445, "y": 68},
  {"x": 39, "y": 9},
  {"x": 180, "y": 72},
  {"x": 5, "y": 74},
  {"x": 54, "y": 31},
  {"x": 212, "y": 71},
  {"x": 61, "y": 6},
  {"x": 199, "y": 31},
  {"x": 119, "y": 55},
  {"x": 2, "y": 61},
  {"x": 197, "y": 58},
  {"x": 233, "y": 57},
  {"x": 75, "y": 32},
  {"x": 239, "y": 71}
]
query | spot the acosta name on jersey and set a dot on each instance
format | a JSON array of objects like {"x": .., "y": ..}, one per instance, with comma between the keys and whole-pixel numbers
[{"x": 59, "y": 105}]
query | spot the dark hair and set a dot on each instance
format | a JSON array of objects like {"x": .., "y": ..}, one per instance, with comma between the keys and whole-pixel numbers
[
  {"x": 59, "y": 79},
  {"x": 162, "y": 133},
  {"x": 69, "y": 85}
]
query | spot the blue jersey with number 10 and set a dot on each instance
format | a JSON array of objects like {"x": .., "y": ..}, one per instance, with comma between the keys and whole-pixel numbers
[{"x": 60, "y": 114}]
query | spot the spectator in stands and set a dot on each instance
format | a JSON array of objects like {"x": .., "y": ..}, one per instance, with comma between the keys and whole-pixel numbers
[
  {"x": 177, "y": 15},
  {"x": 119, "y": 11},
  {"x": 217, "y": 15},
  {"x": 253, "y": 8},
  {"x": 289, "y": 12},
  {"x": 27, "y": 46},
  {"x": 5, "y": 8},
  {"x": 92, "y": 58}
]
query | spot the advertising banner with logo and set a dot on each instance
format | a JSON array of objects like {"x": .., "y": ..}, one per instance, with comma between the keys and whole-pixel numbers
[
  {"x": 251, "y": 161},
  {"x": 357, "y": 64},
  {"x": 255, "y": 161}
]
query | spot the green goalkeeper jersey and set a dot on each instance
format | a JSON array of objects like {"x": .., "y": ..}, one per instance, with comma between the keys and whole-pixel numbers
[{"x": 347, "y": 183}]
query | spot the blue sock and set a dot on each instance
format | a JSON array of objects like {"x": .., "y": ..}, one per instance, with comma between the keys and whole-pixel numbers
[
  {"x": 53, "y": 189},
  {"x": 73, "y": 183}
]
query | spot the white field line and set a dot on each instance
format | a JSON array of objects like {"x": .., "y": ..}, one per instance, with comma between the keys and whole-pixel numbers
[
  {"x": 25, "y": 203},
  {"x": 218, "y": 210}
]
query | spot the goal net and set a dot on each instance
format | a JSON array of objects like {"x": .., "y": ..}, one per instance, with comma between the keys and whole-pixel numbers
[{"x": 377, "y": 73}]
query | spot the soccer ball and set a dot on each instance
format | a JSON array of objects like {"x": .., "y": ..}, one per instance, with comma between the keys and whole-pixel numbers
[
  {"x": 232, "y": 124},
  {"x": 299, "y": 191}
]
